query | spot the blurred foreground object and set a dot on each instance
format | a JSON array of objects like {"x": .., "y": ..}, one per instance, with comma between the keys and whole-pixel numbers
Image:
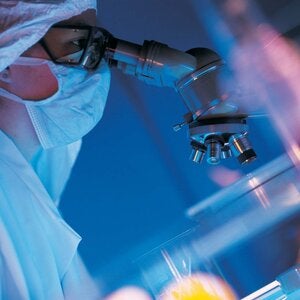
[
  {"x": 265, "y": 64},
  {"x": 199, "y": 286},
  {"x": 129, "y": 293},
  {"x": 246, "y": 235},
  {"x": 271, "y": 76}
]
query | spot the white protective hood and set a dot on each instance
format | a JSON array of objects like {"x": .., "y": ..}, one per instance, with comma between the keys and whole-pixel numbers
[{"x": 23, "y": 23}]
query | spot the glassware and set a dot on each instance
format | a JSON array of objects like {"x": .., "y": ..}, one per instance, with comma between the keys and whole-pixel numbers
[{"x": 214, "y": 259}]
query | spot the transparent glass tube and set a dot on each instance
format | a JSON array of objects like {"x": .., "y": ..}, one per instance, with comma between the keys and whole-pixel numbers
[{"x": 252, "y": 209}]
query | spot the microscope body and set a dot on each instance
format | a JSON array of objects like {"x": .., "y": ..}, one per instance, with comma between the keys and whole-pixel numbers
[{"x": 217, "y": 129}]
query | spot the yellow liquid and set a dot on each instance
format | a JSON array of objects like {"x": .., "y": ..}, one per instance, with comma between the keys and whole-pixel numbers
[{"x": 201, "y": 287}]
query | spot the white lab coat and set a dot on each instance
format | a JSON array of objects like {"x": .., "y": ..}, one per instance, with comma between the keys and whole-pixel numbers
[{"x": 38, "y": 250}]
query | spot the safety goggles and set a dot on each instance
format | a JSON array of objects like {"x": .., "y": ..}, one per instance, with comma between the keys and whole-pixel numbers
[{"x": 76, "y": 45}]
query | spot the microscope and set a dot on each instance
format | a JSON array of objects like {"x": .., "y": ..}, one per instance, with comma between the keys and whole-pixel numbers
[{"x": 216, "y": 128}]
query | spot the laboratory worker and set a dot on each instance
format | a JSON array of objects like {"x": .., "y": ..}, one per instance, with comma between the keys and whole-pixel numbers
[{"x": 45, "y": 110}]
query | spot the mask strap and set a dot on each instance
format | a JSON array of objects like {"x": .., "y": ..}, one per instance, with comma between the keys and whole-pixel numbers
[{"x": 10, "y": 96}]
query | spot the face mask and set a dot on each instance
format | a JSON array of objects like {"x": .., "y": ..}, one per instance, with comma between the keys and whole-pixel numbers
[{"x": 73, "y": 110}]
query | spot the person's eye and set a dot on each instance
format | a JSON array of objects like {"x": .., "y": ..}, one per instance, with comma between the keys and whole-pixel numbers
[{"x": 80, "y": 43}]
